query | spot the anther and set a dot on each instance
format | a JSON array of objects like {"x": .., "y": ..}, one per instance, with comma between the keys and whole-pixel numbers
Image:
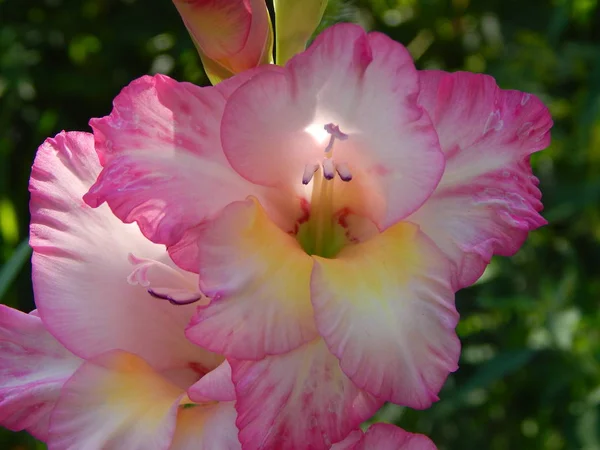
[
  {"x": 175, "y": 296},
  {"x": 144, "y": 267},
  {"x": 343, "y": 171},
  {"x": 309, "y": 171},
  {"x": 328, "y": 169}
]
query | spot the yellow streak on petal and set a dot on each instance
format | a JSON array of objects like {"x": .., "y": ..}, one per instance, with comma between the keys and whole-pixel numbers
[
  {"x": 206, "y": 426},
  {"x": 135, "y": 389},
  {"x": 192, "y": 420},
  {"x": 386, "y": 307},
  {"x": 280, "y": 254},
  {"x": 358, "y": 268}
]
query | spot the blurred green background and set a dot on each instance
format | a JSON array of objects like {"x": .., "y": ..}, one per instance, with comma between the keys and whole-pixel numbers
[{"x": 530, "y": 370}]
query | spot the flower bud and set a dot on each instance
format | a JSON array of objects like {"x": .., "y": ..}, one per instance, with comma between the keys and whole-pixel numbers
[
  {"x": 295, "y": 22},
  {"x": 231, "y": 35}
]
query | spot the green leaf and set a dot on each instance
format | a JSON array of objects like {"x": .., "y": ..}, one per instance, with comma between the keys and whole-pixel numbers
[
  {"x": 501, "y": 365},
  {"x": 13, "y": 266}
]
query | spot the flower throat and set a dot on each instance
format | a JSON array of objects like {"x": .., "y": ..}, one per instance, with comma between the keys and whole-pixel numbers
[{"x": 321, "y": 234}]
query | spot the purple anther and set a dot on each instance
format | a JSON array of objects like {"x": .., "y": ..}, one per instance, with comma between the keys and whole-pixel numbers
[
  {"x": 343, "y": 171},
  {"x": 176, "y": 296},
  {"x": 328, "y": 169},
  {"x": 309, "y": 171}
]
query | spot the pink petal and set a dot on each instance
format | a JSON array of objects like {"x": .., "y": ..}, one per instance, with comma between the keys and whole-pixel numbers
[
  {"x": 258, "y": 280},
  {"x": 385, "y": 307},
  {"x": 350, "y": 442},
  {"x": 215, "y": 385},
  {"x": 272, "y": 126},
  {"x": 81, "y": 265},
  {"x": 488, "y": 199},
  {"x": 163, "y": 163},
  {"x": 206, "y": 427},
  {"x": 383, "y": 436},
  {"x": 116, "y": 401},
  {"x": 298, "y": 400},
  {"x": 185, "y": 251},
  {"x": 33, "y": 369}
]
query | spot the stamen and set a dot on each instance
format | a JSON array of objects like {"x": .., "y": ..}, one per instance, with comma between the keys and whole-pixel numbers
[
  {"x": 309, "y": 171},
  {"x": 144, "y": 269},
  {"x": 175, "y": 296},
  {"x": 328, "y": 169},
  {"x": 139, "y": 275},
  {"x": 319, "y": 236},
  {"x": 343, "y": 171}
]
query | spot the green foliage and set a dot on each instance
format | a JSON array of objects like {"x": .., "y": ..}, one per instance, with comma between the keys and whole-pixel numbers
[{"x": 529, "y": 376}]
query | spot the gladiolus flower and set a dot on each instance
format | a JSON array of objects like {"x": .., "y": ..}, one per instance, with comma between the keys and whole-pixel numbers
[
  {"x": 103, "y": 364},
  {"x": 331, "y": 208},
  {"x": 231, "y": 35},
  {"x": 318, "y": 219}
]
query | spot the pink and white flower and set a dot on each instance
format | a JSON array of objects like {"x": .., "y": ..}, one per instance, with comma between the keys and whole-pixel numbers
[
  {"x": 317, "y": 218},
  {"x": 102, "y": 363},
  {"x": 331, "y": 208}
]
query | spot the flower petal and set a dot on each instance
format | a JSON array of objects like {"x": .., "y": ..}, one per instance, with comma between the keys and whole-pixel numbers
[
  {"x": 488, "y": 199},
  {"x": 384, "y": 436},
  {"x": 385, "y": 307},
  {"x": 215, "y": 385},
  {"x": 81, "y": 265},
  {"x": 33, "y": 369},
  {"x": 206, "y": 427},
  {"x": 297, "y": 400},
  {"x": 350, "y": 442},
  {"x": 163, "y": 163},
  {"x": 366, "y": 84},
  {"x": 115, "y": 401},
  {"x": 258, "y": 279}
]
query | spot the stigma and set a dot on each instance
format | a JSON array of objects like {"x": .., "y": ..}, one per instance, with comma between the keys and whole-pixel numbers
[{"x": 328, "y": 166}]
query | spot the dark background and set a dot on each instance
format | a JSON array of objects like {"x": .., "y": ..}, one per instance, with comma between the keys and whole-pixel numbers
[{"x": 530, "y": 368}]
